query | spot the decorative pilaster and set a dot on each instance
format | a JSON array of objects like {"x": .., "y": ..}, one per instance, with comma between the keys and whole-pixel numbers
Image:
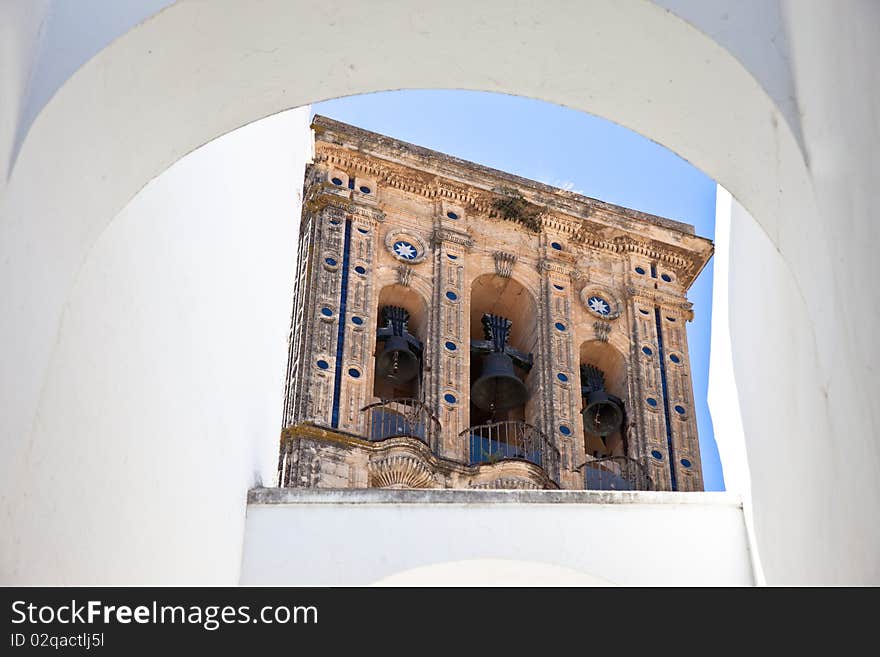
[
  {"x": 680, "y": 399},
  {"x": 559, "y": 371},
  {"x": 448, "y": 391},
  {"x": 357, "y": 301}
]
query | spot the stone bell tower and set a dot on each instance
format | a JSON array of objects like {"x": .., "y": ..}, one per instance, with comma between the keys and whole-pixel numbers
[{"x": 455, "y": 326}]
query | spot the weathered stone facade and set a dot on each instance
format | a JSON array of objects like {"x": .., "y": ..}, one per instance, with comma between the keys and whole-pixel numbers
[{"x": 581, "y": 281}]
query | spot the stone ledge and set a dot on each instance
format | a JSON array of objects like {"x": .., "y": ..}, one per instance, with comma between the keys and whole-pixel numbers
[{"x": 271, "y": 496}]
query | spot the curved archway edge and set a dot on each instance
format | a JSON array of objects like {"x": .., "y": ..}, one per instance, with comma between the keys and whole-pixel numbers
[{"x": 196, "y": 71}]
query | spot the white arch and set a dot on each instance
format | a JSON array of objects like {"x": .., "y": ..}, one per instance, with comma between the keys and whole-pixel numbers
[{"x": 198, "y": 70}]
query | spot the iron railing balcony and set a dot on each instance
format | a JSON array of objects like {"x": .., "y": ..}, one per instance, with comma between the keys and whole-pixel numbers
[
  {"x": 616, "y": 473},
  {"x": 511, "y": 439},
  {"x": 401, "y": 418}
]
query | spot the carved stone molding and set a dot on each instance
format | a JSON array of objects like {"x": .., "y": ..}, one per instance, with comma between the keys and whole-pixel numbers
[{"x": 504, "y": 263}]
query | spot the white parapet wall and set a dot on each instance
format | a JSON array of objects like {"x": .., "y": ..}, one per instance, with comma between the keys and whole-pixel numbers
[{"x": 313, "y": 537}]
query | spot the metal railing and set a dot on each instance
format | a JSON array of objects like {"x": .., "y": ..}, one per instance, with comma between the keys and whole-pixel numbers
[
  {"x": 616, "y": 473},
  {"x": 408, "y": 418},
  {"x": 510, "y": 439}
]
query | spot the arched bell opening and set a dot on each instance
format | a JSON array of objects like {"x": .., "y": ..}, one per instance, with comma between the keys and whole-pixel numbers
[
  {"x": 503, "y": 332},
  {"x": 400, "y": 337},
  {"x": 603, "y": 384}
]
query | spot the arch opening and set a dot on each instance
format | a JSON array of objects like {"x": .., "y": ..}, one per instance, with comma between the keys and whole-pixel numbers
[
  {"x": 497, "y": 296},
  {"x": 599, "y": 415},
  {"x": 391, "y": 352}
]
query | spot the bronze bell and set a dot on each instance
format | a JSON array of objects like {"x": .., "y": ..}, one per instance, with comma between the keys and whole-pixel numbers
[
  {"x": 602, "y": 413},
  {"x": 397, "y": 364},
  {"x": 498, "y": 388}
]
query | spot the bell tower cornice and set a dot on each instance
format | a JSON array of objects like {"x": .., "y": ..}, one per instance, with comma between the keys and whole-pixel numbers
[{"x": 498, "y": 195}]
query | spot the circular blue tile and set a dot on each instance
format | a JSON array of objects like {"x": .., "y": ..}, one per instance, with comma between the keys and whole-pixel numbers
[
  {"x": 363, "y": 230},
  {"x": 365, "y": 189},
  {"x": 336, "y": 181},
  {"x": 558, "y": 287},
  {"x": 326, "y": 312},
  {"x": 360, "y": 270},
  {"x": 686, "y": 463},
  {"x": 564, "y": 430},
  {"x": 452, "y": 296},
  {"x": 647, "y": 351},
  {"x": 353, "y": 373},
  {"x": 652, "y": 402},
  {"x": 450, "y": 399},
  {"x": 451, "y": 346},
  {"x": 640, "y": 271},
  {"x": 643, "y": 311},
  {"x": 680, "y": 410},
  {"x": 323, "y": 364},
  {"x": 562, "y": 377},
  {"x": 559, "y": 326},
  {"x": 674, "y": 358},
  {"x": 330, "y": 261},
  {"x": 357, "y": 320},
  {"x": 657, "y": 455},
  {"x": 335, "y": 222},
  {"x": 451, "y": 257},
  {"x": 452, "y": 215},
  {"x": 666, "y": 277},
  {"x": 670, "y": 319},
  {"x": 556, "y": 245}
]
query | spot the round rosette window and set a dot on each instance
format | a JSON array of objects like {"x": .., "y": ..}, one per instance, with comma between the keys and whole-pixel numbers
[
  {"x": 405, "y": 246},
  {"x": 600, "y": 302}
]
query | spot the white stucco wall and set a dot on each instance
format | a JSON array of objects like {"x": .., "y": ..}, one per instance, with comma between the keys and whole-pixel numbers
[
  {"x": 551, "y": 538},
  {"x": 180, "y": 312},
  {"x": 802, "y": 288}
]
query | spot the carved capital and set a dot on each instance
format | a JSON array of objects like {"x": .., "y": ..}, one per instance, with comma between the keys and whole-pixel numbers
[{"x": 442, "y": 235}]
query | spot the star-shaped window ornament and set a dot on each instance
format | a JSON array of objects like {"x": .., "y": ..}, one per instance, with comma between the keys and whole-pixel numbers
[
  {"x": 405, "y": 250},
  {"x": 599, "y": 305}
]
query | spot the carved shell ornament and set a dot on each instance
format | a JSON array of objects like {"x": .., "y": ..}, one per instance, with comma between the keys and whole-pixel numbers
[
  {"x": 400, "y": 471},
  {"x": 600, "y": 302},
  {"x": 406, "y": 247}
]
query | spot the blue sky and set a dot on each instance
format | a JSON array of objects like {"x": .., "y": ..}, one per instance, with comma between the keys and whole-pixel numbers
[{"x": 567, "y": 149}]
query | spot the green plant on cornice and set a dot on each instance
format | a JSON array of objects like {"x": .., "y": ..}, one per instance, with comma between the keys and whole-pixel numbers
[{"x": 511, "y": 205}]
